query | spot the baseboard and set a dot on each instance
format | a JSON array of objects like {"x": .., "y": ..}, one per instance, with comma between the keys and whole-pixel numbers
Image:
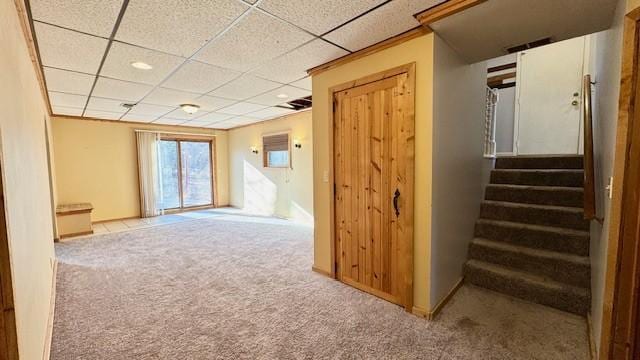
[
  {"x": 321, "y": 272},
  {"x": 436, "y": 310},
  {"x": 592, "y": 342},
  {"x": 46, "y": 354},
  {"x": 418, "y": 311}
]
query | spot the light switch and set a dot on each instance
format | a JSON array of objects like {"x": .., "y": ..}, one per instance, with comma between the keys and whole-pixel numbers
[{"x": 325, "y": 176}]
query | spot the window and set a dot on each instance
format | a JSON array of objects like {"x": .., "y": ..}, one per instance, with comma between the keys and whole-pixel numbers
[
  {"x": 276, "y": 151},
  {"x": 186, "y": 173}
]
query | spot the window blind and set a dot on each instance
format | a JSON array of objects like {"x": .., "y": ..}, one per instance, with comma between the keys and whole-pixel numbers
[{"x": 279, "y": 142}]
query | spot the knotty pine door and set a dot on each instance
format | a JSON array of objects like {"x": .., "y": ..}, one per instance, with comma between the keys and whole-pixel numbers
[{"x": 374, "y": 170}]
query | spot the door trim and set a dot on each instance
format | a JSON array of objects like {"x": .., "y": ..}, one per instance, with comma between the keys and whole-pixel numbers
[
  {"x": 621, "y": 305},
  {"x": 410, "y": 70}
]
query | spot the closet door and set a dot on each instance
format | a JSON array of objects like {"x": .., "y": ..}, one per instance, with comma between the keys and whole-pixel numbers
[{"x": 373, "y": 164}]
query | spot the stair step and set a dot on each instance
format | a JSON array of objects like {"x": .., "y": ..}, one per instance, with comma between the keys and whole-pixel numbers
[
  {"x": 540, "y": 162},
  {"x": 549, "y": 177},
  {"x": 528, "y": 287},
  {"x": 541, "y": 195},
  {"x": 535, "y": 236},
  {"x": 559, "y": 216},
  {"x": 564, "y": 268}
]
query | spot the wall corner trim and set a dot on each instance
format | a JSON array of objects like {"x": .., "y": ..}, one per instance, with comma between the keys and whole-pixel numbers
[
  {"x": 46, "y": 352},
  {"x": 321, "y": 272}
]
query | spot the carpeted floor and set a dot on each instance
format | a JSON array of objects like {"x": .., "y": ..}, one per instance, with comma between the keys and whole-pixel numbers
[{"x": 235, "y": 287}]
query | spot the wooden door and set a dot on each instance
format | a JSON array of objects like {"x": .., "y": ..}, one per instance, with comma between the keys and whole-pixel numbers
[{"x": 373, "y": 169}]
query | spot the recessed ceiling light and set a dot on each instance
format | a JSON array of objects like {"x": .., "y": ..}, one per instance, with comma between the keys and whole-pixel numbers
[
  {"x": 190, "y": 108},
  {"x": 141, "y": 65},
  {"x": 282, "y": 96}
]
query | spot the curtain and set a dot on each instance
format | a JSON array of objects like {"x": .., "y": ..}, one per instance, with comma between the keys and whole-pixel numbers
[{"x": 149, "y": 173}]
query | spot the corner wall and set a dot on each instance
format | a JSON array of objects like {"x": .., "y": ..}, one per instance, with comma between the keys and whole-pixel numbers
[
  {"x": 26, "y": 186},
  {"x": 420, "y": 51},
  {"x": 606, "y": 66},
  {"x": 97, "y": 162},
  {"x": 458, "y": 164},
  {"x": 281, "y": 192}
]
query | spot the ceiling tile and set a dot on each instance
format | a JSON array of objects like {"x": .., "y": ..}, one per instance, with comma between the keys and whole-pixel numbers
[
  {"x": 385, "y": 22},
  {"x": 271, "y": 98},
  {"x": 70, "y": 50},
  {"x": 67, "y": 100},
  {"x": 118, "y": 89},
  {"x": 118, "y": 64},
  {"x": 99, "y": 114},
  {"x": 169, "y": 121},
  {"x": 177, "y": 26},
  {"x": 64, "y": 110},
  {"x": 256, "y": 38},
  {"x": 318, "y": 16},
  {"x": 294, "y": 65},
  {"x": 244, "y": 87},
  {"x": 96, "y": 17},
  {"x": 200, "y": 78},
  {"x": 211, "y": 103},
  {"x": 168, "y": 97},
  {"x": 241, "y": 108},
  {"x": 213, "y": 117},
  {"x": 180, "y": 114},
  {"x": 150, "y": 109},
  {"x": 138, "y": 117},
  {"x": 270, "y": 112},
  {"x": 68, "y": 81},
  {"x": 303, "y": 83},
  {"x": 102, "y": 104},
  {"x": 228, "y": 124}
]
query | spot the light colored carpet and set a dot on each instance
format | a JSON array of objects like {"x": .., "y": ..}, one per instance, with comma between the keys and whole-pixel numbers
[{"x": 235, "y": 287}]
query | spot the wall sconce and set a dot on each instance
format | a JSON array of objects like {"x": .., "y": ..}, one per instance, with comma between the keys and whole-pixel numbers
[
  {"x": 254, "y": 150},
  {"x": 297, "y": 144}
]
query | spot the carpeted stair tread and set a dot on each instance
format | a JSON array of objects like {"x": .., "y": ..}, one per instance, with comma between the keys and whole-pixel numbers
[
  {"x": 539, "y": 177},
  {"x": 527, "y": 286},
  {"x": 562, "y": 267},
  {"x": 535, "y": 236},
  {"x": 539, "y": 195},
  {"x": 540, "y": 162},
  {"x": 548, "y": 215}
]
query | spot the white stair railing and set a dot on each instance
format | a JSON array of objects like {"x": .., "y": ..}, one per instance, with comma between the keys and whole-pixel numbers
[{"x": 490, "y": 123}]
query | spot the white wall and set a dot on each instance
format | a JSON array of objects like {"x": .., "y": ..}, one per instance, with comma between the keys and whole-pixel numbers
[
  {"x": 606, "y": 64},
  {"x": 458, "y": 164},
  {"x": 26, "y": 185},
  {"x": 282, "y": 192},
  {"x": 506, "y": 106}
]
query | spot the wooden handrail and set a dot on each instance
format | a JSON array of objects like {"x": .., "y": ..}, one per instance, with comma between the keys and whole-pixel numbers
[{"x": 589, "y": 166}]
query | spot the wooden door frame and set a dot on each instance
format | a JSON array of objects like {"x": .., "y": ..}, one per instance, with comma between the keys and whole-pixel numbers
[
  {"x": 620, "y": 329},
  {"x": 214, "y": 170},
  {"x": 410, "y": 70},
  {"x": 8, "y": 332}
]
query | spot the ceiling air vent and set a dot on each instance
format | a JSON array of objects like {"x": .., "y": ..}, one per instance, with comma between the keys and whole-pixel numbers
[
  {"x": 531, "y": 45},
  {"x": 298, "y": 104}
]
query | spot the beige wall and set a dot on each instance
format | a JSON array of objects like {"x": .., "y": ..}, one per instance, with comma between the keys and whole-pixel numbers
[
  {"x": 26, "y": 186},
  {"x": 606, "y": 64},
  {"x": 458, "y": 164},
  {"x": 280, "y": 192},
  {"x": 96, "y": 162},
  {"x": 420, "y": 51}
]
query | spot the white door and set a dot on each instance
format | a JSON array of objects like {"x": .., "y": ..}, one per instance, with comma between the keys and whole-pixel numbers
[{"x": 548, "y": 104}]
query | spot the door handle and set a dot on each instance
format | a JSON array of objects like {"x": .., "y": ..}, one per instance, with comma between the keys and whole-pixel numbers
[{"x": 396, "y": 195}]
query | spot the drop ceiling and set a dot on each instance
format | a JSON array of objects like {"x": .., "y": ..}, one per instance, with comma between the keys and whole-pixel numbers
[{"x": 236, "y": 59}]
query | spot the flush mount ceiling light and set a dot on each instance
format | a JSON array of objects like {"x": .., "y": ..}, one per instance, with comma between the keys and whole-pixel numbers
[
  {"x": 141, "y": 65},
  {"x": 189, "y": 108},
  {"x": 282, "y": 96}
]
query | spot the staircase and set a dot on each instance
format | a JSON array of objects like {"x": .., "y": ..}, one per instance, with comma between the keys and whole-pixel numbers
[{"x": 531, "y": 240}]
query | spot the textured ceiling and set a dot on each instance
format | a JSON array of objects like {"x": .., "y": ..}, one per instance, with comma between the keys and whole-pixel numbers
[{"x": 236, "y": 59}]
